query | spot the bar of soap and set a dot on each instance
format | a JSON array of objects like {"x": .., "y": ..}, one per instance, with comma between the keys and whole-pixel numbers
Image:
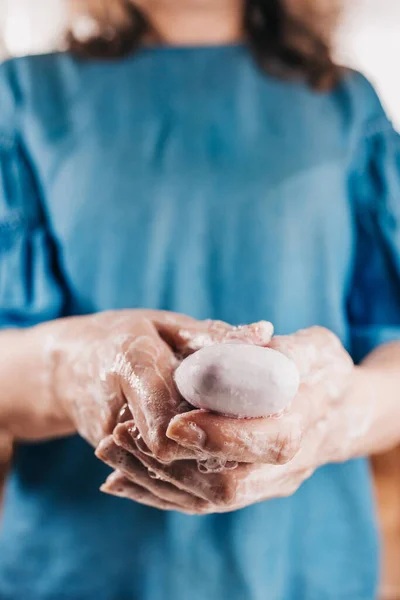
[{"x": 238, "y": 380}]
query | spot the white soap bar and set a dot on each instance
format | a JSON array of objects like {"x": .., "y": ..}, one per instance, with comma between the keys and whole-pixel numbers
[{"x": 238, "y": 380}]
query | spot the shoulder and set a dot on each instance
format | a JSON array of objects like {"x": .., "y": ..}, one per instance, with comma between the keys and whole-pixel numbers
[
  {"x": 26, "y": 83},
  {"x": 375, "y": 150},
  {"x": 361, "y": 105},
  {"x": 46, "y": 87}
]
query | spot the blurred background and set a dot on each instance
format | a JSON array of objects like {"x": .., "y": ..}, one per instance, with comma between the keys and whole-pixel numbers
[{"x": 369, "y": 40}]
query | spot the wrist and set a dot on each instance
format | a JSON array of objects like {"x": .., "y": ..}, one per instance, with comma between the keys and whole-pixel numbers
[
  {"x": 46, "y": 407},
  {"x": 371, "y": 417}
]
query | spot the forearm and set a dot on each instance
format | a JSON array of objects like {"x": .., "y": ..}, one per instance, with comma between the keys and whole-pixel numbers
[
  {"x": 373, "y": 413},
  {"x": 28, "y": 410}
]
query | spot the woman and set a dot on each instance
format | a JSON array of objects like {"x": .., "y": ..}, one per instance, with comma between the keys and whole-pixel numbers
[{"x": 205, "y": 158}]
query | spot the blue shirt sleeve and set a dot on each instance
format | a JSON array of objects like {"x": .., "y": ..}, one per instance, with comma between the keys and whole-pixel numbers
[
  {"x": 374, "y": 300},
  {"x": 30, "y": 287}
]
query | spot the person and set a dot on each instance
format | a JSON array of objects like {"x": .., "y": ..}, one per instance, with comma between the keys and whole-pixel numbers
[{"x": 190, "y": 168}]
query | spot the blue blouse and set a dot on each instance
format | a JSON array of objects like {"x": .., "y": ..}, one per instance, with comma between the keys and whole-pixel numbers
[{"x": 185, "y": 179}]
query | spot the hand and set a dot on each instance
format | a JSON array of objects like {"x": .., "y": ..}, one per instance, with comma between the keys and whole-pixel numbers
[
  {"x": 118, "y": 366},
  {"x": 275, "y": 455},
  {"x": 105, "y": 363}
]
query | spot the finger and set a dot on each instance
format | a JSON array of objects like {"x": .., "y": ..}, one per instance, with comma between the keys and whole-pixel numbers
[
  {"x": 120, "y": 486},
  {"x": 146, "y": 370},
  {"x": 270, "y": 440},
  {"x": 274, "y": 440},
  {"x": 186, "y": 335},
  {"x": 127, "y": 464},
  {"x": 213, "y": 481},
  {"x": 245, "y": 485}
]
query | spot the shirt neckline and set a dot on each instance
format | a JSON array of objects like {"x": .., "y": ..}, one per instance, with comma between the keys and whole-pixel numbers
[{"x": 193, "y": 49}]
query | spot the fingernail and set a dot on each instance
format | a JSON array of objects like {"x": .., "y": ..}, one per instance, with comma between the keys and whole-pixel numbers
[{"x": 187, "y": 434}]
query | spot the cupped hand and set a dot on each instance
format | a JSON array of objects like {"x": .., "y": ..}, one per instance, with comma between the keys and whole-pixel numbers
[
  {"x": 105, "y": 363},
  {"x": 240, "y": 462},
  {"x": 325, "y": 369},
  {"x": 251, "y": 460},
  {"x": 115, "y": 369}
]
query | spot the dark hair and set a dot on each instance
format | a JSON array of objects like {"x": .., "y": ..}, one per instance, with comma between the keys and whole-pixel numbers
[{"x": 289, "y": 44}]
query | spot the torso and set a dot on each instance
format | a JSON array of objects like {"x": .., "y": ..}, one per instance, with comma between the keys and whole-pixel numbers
[{"x": 191, "y": 182}]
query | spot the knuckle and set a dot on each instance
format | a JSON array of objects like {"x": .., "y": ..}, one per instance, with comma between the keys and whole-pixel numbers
[
  {"x": 286, "y": 447},
  {"x": 347, "y": 361},
  {"x": 320, "y": 330},
  {"x": 327, "y": 336},
  {"x": 207, "y": 509}
]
